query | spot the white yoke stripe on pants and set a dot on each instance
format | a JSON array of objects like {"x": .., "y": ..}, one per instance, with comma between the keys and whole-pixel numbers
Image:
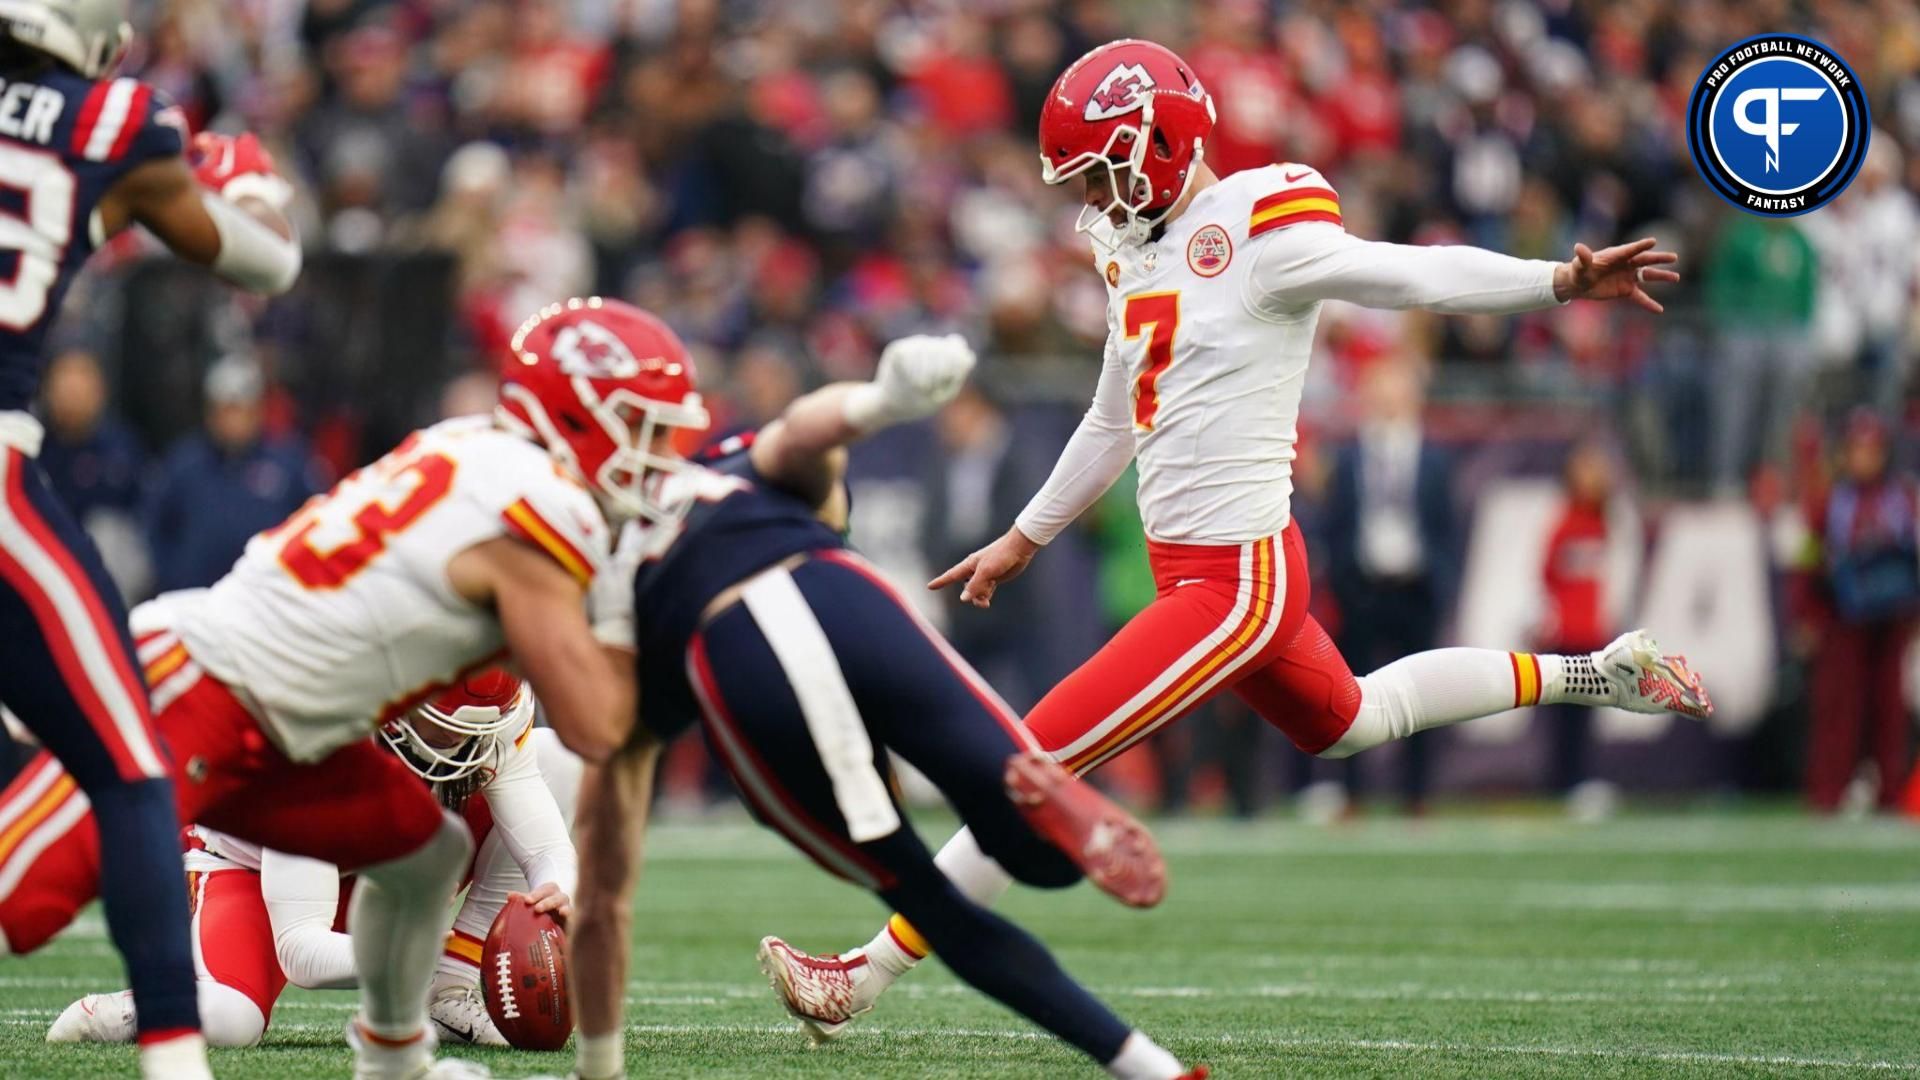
[{"x": 833, "y": 720}]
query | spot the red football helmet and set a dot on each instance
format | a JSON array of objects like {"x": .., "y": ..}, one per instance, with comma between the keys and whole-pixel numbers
[
  {"x": 1140, "y": 111},
  {"x": 591, "y": 380},
  {"x": 467, "y": 723}
]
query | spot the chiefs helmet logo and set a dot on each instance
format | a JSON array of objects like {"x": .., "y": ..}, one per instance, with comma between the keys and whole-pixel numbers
[
  {"x": 1119, "y": 93},
  {"x": 589, "y": 349}
]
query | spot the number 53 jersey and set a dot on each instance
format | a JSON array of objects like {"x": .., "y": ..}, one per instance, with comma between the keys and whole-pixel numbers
[{"x": 342, "y": 618}]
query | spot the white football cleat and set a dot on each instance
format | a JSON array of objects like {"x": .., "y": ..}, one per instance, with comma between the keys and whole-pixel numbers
[
  {"x": 414, "y": 1060},
  {"x": 1645, "y": 680},
  {"x": 824, "y": 993},
  {"x": 101, "y": 1018},
  {"x": 459, "y": 1015}
]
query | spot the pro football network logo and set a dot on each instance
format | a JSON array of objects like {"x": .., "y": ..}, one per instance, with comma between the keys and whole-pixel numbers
[{"x": 1778, "y": 125}]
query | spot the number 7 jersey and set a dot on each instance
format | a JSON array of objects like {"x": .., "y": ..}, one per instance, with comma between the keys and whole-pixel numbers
[
  {"x": 343, "y": 618},
  {"x": 65, "y": 140},
  {"x": 1211, "y": 386}
]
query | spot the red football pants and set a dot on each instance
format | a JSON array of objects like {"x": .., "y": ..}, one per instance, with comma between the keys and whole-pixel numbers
[
  {"x": 358, "y": 807},
  {"x": 1227, "y": 617},
  {"x": 232, "y": 936}
]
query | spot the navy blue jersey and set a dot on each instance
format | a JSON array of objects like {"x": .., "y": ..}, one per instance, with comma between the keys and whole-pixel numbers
[
  {"x": 733, "y": 455},
  {"x": 733, "y": 529},
  {"x": 64, "y": 141}
]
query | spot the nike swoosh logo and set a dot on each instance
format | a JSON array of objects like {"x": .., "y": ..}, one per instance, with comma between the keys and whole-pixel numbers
[
  {"x": 1188, "y": 581},
  {"x": 1291, "y": 177}
]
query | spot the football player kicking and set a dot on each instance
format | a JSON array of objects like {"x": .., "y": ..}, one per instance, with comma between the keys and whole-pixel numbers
[
  {"x": 1214, "y": 286},
  {"x": 473, "y": 540},
  {"x": 750, "y": 617},
  {"x": 263, "y": 919},
  {"x": 83, "y": 156}
]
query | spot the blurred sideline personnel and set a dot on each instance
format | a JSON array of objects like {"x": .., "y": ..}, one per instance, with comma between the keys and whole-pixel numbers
[
  {"x": 1573, "y": 581},
  {"x": 1214, "y": 287},
  {"x": 745, "y": 613},
  {"x": 219, "y": 486},
  {"x": 472, "y": 541},
  {"x": 82, "y": 157},
  {"x": 1393, "y": 541},
  {"x": 263, "y": 919},
  {"x": 1872, "y": 545},
  {"x": 95, "y": 464}
]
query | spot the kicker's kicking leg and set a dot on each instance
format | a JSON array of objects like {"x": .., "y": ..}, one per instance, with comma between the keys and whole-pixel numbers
[{"x": 1309, "y": 693}]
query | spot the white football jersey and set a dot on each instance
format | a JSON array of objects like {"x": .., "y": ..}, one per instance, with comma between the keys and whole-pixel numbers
[
  {"x": 342, "y": 617},
  {"x": 1212, "y": 390},
  {"x": 1210, "y": 329}
]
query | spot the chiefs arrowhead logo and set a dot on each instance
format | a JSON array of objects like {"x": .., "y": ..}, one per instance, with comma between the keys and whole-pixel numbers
[
  {"x": 587, "y": 348},
  {"x": 1119, "y": 93}
]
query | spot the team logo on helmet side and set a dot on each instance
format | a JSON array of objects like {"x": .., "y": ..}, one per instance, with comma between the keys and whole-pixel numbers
[
  {"x": 587, "y": 348},
  {"x": 1778, "y": 125},
  {"x": 1120, "y": 92},
  {"x": 1209, "y": 251}
]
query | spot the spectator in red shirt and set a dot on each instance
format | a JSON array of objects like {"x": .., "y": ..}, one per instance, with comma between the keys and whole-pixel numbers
[{"x": 1576, "y": 619}]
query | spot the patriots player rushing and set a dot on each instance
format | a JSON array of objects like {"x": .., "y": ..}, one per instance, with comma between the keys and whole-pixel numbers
[
  {"x": 83, "y": 156},
  {"x": 1213, "y": 289},
  {"x": 748, "y": 615}
]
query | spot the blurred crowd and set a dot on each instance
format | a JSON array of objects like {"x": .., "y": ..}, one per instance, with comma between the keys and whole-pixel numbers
[{"x": 793, "y": 182}]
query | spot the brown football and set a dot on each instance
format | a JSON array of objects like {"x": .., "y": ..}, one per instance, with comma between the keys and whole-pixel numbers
[{"x": 523, "y": 977}]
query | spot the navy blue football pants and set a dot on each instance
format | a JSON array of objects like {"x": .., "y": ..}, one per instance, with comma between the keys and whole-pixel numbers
[
  {"x": 68, "y": 671},
  {"x": 916, "y": 697}
]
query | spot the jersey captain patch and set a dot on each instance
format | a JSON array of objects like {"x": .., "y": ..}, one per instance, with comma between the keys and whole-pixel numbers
[{"x": 1209, "y": 251}]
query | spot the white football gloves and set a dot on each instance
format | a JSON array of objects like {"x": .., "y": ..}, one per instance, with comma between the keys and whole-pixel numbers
[
  {"x": 610, "y": 597},
  {"x": 917, "y": 375}
]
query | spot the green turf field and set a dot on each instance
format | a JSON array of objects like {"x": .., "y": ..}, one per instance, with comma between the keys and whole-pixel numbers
[{"x": 1749, "y": 945}]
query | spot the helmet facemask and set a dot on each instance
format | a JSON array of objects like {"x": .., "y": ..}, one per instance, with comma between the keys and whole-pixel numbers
[
  {"x": 634, "y": 476},
  {"x": 1124, "y": 157},
  {"x": 478, "y": 728}
]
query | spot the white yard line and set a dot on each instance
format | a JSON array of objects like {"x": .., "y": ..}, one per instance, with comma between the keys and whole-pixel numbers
[{"x": 35, "y": 1017}]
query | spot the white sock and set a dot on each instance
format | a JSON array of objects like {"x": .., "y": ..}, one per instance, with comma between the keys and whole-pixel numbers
[
  {"x": 1440, "y": 687},
  {"x": 227, "y": 1016},
  {"x": 1574, "y": 680},
  {"x": 398, "y": 921},
  {"x": 183, "y": 1058},
  {"x": 598, "y": 1057},
  {"x": 898, "y": 947},
  {"x": 1140, "y": 1058}
]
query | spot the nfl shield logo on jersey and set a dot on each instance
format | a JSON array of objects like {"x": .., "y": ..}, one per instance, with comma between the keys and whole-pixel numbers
[{"x": 1209, "y": 251}]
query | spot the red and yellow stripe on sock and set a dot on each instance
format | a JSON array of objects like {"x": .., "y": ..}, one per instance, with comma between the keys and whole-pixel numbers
[
  {"x": 1237, "y": 642},
  {"x": 1527, "y": 683},
  {"x": 909, "y": 939},
  {"x": 463, "y": 947}
]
